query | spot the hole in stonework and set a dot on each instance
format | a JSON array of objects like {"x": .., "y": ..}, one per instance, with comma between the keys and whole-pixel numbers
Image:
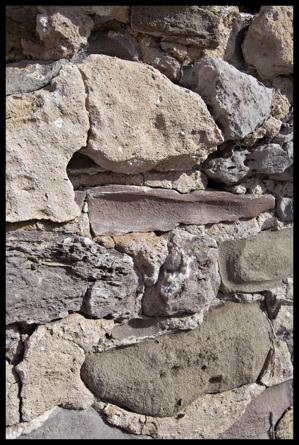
[
  {"x": 179, "y": 402},
  {"x": 204, "y": 367},
  {"x": 216, "y": 379}
]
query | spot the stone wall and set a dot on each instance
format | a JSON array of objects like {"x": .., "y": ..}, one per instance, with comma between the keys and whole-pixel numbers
[{"x": 149, "y": 222}]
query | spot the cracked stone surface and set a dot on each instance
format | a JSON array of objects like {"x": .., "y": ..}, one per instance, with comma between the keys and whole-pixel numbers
[
  {"x": 188, "y": 279},
  {"x": 206, "y": 418},
  {"x": 37, "y": 186},
  {"x": 160, "y": 377},
  {"x": 111, "y": 208},
  {"x": 163, "y": 138},
  {"x": 101, "y": 279},
  {"x": 238, "y": 102},
  {"x": 257, "y": 263},
  {"x": 268, "y": 44},
  {"x": 50, "y": 370}
]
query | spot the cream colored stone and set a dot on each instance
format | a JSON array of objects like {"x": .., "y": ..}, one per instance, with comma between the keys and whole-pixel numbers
[
  {"x": 280, "y": 367},
  {"x": 268, "y": 45},
  {"x": 206, "y": 418},
  {"x": 285, "y": 428},
  {"x": 128, "y": 137},
  {"x": 12, "y": 396},
  {"x": 50, "y": 370},
  {"x": 148, "y": 250},
  {"x": 37, "y": 151}
]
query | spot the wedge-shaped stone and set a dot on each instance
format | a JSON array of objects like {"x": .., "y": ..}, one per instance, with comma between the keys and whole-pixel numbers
[
  {"x": 159, "y": 377},
  {"x": 268, "y": 45},
  {"x": 256, "y": 263},
  {"x": 238, "y": 102},
  {"x": 128, "y": 137},
  {"x": 186, "y": 24},
  {"x": 188, "y": 280},
  {"x": 49, "y": 274},
  {"x": 43, "y": 131},
  {"x": 117, "y": 209}
]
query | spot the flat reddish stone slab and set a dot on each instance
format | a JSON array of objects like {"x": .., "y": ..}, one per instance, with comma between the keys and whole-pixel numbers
[{"x": 121, "y": 209}]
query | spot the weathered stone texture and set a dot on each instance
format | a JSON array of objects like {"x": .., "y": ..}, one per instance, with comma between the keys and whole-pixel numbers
[
  {"x": 111, "y": 208},
  {"x": 74, "y": 424},
  {"x": 256, "y": 263},
  {"x": 26, "y": 77},
  {"x": 268, "y": 45},
  {"x": 184, "y": 24},
  {"x": 125, "y": 136},
  {"x": 188, "y": 280},
  {"x": 238, "y": 102},
  {"x": 98, "y": 281},
  {"x": 285, "y": 428},
  {"x": 43, "y": 130},
  {"x": 160, "y": 377},
  {"x": 12, "y": 396},
  {"x": 256, "y": 421},
  {"x": 50, "y": 370},
  {"x": 206, "y": 418}
]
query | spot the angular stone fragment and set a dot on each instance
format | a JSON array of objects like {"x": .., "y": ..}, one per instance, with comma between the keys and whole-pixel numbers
[
  {"x": 43, "y": 130},
  {"x": 109, "y": 13},
  {"x": 38, "y": 261},
  {"x": 280, "y": 367},
  {"x": 256, "y": 263},
  {"x": 188, "y": 280},
  {"x": 182, "y": 182},
  {"x": 63, "y": 31},
  {"x": 184, "y": 24},
  {"x": 115, "y": 44},
  {"x": 153, "y": 55},
  {"x": 227, "y": 170},
  {"x": 256, "y": 422},
  {"x": 111, "y": 208},
  {"x": 237, "y": 101},
  {"x": 148, "y": 250},
  {"x": 25, "y": 77},
  {"x": 74, "y": 424},
  {"x": 285, "y": 429},
  {"x": 268, "y": 45},
  {"x": 284, "y": 209},
  {"x": 206, "y": 418},
  {"x": 12, "y": 396},
  {"x": 268, "y": 159},
  {"x": 174, "y": 370},
  {"x": 125, "y": 136},
  {"x": 50, "y": 374}
]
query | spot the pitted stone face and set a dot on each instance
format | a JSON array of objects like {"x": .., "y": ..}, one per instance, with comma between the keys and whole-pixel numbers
[
  {"x": 98, "y": 281},
  {"x": 256, "y": 263},
  {"x": 159, "y": 377}
]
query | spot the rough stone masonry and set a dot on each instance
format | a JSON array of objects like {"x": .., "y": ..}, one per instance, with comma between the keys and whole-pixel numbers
[{"x": 149, "y": 206}]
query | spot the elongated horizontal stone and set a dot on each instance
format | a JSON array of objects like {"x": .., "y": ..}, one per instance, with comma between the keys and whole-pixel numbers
[
  {"x": 256, "y": 263},
  {"x": 161, "y": 376},
  {"x": 49, "y": 274},
  {"x": 121, "y": 209}
]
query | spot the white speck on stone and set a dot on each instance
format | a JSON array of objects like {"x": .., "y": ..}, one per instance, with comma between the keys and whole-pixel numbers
[
  {"x": 85, "y": 208},
  {"x": 56, "y": 96},
  {"x": 158, "y": 101},
  {"x": 182, "y": 133},
  {"x": 59, "y": 122},
  {"x": 119, "y": 149},
  {"x": 43, "y": 20}
]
